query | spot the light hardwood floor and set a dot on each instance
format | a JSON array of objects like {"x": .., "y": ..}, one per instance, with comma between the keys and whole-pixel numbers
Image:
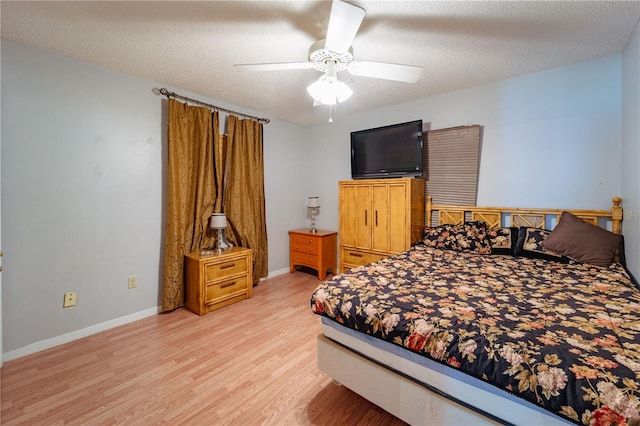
[{"x": 250, "y": 363}]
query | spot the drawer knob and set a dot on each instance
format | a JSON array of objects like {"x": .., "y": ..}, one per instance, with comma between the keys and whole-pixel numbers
[
  {"x": 228, "y": 265},
  {"x": 356, "y": 254}
]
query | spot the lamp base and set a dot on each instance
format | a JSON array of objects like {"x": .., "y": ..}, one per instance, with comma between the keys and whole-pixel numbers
[
  {"x": 314, "y": 212},
  {"x": 221, "y": 242}
]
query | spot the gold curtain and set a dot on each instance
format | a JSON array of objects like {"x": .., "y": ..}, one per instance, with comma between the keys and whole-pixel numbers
[
  {"x": 190, "y": 193},
  {"x": 219, "y": 165},
  {"x": 244, "y": 202}
]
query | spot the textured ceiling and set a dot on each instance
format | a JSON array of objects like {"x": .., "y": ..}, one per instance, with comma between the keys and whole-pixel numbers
[{"x": 193, "y": 45}]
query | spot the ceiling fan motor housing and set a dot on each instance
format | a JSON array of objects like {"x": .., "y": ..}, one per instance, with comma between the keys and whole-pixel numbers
[{"x": 319, "y": 56}]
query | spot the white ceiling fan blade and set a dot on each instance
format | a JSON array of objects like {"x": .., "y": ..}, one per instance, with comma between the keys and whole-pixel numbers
[
  {"x": 274, "y": 67},
  {"x": 396, "y": 72},
  {"x": 344, "y": 22}
]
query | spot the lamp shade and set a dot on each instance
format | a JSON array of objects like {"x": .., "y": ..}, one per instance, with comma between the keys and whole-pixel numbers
[
  {"x": 329, "y": 90},
  {"x": 342, "y": 91},
  {"x": 314, "y": 202},
  {"x": 218, "y": 221}
]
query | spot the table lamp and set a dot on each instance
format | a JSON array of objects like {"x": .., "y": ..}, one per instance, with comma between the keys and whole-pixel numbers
[
  {"x": 219, "y": 223},
  {"x": 314, "y": 205}
]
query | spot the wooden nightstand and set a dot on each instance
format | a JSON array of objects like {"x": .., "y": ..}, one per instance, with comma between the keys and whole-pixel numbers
[
  {"x": 317, "y": 250},
  {"x": 217, "y": 280}
]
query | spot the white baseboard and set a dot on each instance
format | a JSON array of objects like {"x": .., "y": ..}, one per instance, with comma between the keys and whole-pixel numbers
[
  {"x": 278, "y": 272},
  {"x": 78, "y": 334}
]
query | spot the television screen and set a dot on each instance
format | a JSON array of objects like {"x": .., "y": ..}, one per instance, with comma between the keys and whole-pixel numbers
[{"x": 389, "y": 151}]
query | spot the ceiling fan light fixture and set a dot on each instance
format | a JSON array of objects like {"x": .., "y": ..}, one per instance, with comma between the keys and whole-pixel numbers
[{"x": 329, "y": 90}]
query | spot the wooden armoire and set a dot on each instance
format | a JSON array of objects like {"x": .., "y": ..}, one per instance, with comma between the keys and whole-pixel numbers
[{"x": 378, "y": 218}]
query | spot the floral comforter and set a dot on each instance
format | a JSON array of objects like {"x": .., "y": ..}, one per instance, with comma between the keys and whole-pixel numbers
[{"x": 563, "y": 336}]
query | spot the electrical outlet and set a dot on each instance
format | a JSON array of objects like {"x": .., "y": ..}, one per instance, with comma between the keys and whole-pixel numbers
[
  {"x": 133, "y": 281},
  {"x": 69, "y": 300}
]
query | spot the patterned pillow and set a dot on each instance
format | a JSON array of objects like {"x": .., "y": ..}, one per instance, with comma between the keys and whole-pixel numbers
[
  {"x": 470, "y": 237},
  {"x": 530, "y": 245},
  {"x": 503, "y": 240}
]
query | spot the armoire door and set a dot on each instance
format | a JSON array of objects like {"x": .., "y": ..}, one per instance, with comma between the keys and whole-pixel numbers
[
  {"x": 363, "y": 223},
  {"x": 380, "y": 218},
  {"x": 348, "y": 203},
  {"x": 355, "y": 216},
  {"x": 399, "y": 216}
]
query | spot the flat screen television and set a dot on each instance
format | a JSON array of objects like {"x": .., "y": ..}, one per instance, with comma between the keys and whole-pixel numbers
[{"x": 387, "y": 152}]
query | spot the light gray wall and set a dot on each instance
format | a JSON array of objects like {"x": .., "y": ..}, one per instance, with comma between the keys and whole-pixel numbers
[
  {"x": 631, "y": 150},
  {"x": 83, "y": 170}
]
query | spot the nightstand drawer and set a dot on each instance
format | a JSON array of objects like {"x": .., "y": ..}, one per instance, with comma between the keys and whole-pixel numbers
[
  {"x": 305, "y": 247},
  {"x": 224, "y": 288},
  {"x": 305, "y": 239},
  {"x": 310, "y": 260},
  {"x": 356, "y": 257},
  {"x": 218, "y": 270}
]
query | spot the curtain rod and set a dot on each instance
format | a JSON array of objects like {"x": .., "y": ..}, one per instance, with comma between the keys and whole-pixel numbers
[{"x": 169, "y": 94}]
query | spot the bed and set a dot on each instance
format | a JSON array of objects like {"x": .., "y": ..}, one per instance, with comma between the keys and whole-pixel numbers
[{"x": 499, "y": 316}]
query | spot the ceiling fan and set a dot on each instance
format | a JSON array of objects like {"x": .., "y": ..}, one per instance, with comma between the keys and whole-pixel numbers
[{"x": 335, "y": 54}]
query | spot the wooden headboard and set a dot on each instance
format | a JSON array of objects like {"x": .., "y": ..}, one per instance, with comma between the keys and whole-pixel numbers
[{"x": 496, "y": 217}]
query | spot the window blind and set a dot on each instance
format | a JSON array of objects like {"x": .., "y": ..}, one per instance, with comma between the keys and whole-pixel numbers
[{"x": 450, "y": 163}]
